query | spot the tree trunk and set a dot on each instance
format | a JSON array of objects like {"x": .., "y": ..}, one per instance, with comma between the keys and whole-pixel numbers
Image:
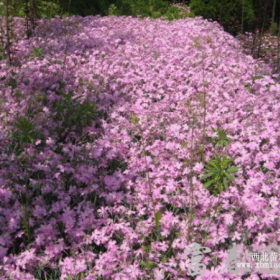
[
  {"x": 273, "y": 13},
  {"x": 262, "y": 30},
  {"x": 256, "y": 32},
  {"x": 8, "y": 45},
  {"x": 27, "y": 19},
  {"x": 32, "y": 14},
  {"x": 69, "y": 6},
  {"x": 278, "y": 50},
  {"x": 242, "y": 20}
]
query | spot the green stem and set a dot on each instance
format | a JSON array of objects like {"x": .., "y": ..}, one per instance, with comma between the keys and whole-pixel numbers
[
  {"x": 191, "y": 213},
  {"x": 204, "y": 113}
]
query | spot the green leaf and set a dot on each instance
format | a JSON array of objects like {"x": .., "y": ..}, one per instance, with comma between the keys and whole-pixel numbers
[
  {"x": 134, "y": 119},
  {"x": 208, "y": 184},
  {"x": 211, "y": 168},
  {"x": 225, "y": 183},
  {"x": 229, "y": 176},
  {"x": 37, "y": 52},
  {"x": 232, "y": 169},
  {"x": 149, "y": 264},
  {"x": 158, "y": 218},
  {"x": 184, "y": 144},
  {"x": 213, "y": 164},
  {"x": 257, "y": 78},
  {"x": 31, "y": 139},
  {"x": 209, "y": 174}
]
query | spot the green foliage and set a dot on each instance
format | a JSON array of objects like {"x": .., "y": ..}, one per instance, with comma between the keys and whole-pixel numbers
[
  {"x": 26, "y": 226},
  {"x": 145, "y": 8},
  {"x": 257, "y": 78},
  {"x": 178, "y": 12},
  {"x": 218, "y": 172},
  {"x": 134, "y": 119},
  {"x": 173, "y": 13},
  {"x": 43, "y": 9},
  {"x": 227, "y": 12},
  {"x": 46, "y": 272},
  {"x": 274, "y": 28},
  {"x": 12, "y": 83},
  {"x": 150, "y": 8},
  {"x": 184, "y": 144},
  {"x": 24, "y": 131},
  {"x": 72, "y": 113},
  {"x": 158, "y": 218},
  {"x": 37, "y": 52},
  {"x": 221, "y": 140},
  {"x": 48, "y": 9},
  {"x": 113, "y": 10}
]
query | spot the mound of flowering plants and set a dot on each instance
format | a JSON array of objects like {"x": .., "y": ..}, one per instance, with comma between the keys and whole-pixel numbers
[{"x": 124, "y": 140}]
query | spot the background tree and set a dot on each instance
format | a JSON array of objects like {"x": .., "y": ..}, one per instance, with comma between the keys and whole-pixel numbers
[
  {"x": 8, "y": 45},
  {"x": 234, "y": 15},
  {"x": 273, "y": 12}
]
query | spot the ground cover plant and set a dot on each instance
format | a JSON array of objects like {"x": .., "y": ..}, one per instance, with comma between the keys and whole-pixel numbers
[{"x": 124, "y": 140}]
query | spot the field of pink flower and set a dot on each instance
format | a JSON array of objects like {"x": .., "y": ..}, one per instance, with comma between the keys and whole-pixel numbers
[{"x": 107, "y": 124}]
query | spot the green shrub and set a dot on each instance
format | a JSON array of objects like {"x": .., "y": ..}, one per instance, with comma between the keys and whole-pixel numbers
[
  {"x": 48, "y": 9},
  {"x": 24, "y": 131},
  {"x": 226, "y": 12},
  {"x": 37, "y": 52},
  {"x": 73, "y": 114},
  {"x": 177, "y": 12},
  {"x": 173, "y": 13},
  {"x": 219, "y": 171},
  {"x": 145, "y": 8},
  {"x": 113, "y": 10}
]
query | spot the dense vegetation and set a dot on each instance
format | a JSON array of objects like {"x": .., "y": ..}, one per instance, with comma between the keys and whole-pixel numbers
[
  {"x": 123, "y": 139},
  {"x": 234, "y": 15}
]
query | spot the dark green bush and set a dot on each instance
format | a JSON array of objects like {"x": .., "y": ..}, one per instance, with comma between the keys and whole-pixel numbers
[
  {"x": 227, "y": 12},
  {"x": 151, "y": 8}
]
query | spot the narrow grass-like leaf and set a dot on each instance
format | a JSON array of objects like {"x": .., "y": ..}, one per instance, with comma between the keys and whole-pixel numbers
[
  {"x": 232, "y": 169},
  {"x": 207, "y": 175},
  {"x": 225, "y": 183},
  {"x": 208, "y": 184},
  {"x": 229, "y": 176},
  {"x": 158, "y": 218}
]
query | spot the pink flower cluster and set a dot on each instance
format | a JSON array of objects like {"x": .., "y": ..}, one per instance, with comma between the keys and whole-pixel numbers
[{"x": 78, "y": 198}]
